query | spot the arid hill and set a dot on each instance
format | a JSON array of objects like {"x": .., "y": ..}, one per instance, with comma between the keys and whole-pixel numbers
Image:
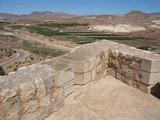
[
  {"x": 133, "y": 17},
  {"x": 36, "y": 17}
]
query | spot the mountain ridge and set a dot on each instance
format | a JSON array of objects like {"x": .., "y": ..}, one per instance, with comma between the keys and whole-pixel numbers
[{"x": 41, "y": 16}]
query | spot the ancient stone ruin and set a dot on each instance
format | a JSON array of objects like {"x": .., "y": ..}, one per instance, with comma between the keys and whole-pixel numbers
[{"x": 36, "y": 91}]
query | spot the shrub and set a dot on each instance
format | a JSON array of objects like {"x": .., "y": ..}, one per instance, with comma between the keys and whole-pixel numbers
[
  {"x": 145, "y": 47},
  {"x": 2, "y": 72},
  {"x": 42, "y": 51}
]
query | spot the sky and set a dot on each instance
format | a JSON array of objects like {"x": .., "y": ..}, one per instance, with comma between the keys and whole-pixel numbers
[{"x": 79, "y": 7}]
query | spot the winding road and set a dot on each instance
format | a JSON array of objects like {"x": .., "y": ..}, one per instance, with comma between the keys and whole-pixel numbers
[{"x": 20, "y": 55}]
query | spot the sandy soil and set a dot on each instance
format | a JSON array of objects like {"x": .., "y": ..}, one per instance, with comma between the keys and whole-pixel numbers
[{"x": 123, "y": 28}]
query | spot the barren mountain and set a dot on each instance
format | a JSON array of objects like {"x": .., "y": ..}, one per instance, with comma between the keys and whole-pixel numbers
[
  {"x": 157, "y": 14},
  {"x": 45, "y": 16},
  {"x": 7, "y": 16},
  {"x": 133, "y": 17},
  {"x": 37, "y": 17}
]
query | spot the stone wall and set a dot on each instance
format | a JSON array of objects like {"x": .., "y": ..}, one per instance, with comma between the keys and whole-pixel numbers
[
  {"x": 36, "y": 91},
  {"x": 140, "y": 69}
]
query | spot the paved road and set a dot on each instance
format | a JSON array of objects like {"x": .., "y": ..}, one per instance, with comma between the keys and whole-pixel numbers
[{"x": 20, "y": 54}]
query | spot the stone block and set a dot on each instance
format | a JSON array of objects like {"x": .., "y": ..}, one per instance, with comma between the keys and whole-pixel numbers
[
  {"x": 63, "y": 77},
  {"x": 120, "y": 77},
  {"x": 82, "y": 66},
  {"x": 154, "y": 78},
  {"x": 136, "y": 75},
  {"x": 57, "y": 99},
  {"x": 41, "y": 91},
  {"x": 134, "y": 65},
  {"x": 3, "y": 94},
  {"x": 45, "y": 101},
  {"x": 136, "y": 84},
  {"x": 93, "y": 74},
  {"x": 149, "y": 78},
  {"x": 30, "y": 106},
  {"x": 129, "y": 73},
  {"x": 123, "y": 69},
  {"x": 143, "y": 87},
  {"x": 68, "y": 88},
  {"x": 85, "y": 65},
  {"x": 9, "y": 99},
  {"x": 37, "y": 115},
  {"x": 98, "y": 68},
  {"x": 50, "y": 85},
  {"x": 92, "y": 62},
  {"x": 28, "y": 91},
  {"x": 145, "y": 77},
  {"x": 97, "y": 60},
  {"x": 9, "y": 108},
  {"x": 130, "y": 82},
  {"x": 13, "y": 113},
  {"x": 8, "y": 94},
  {"x": 113, "y": 63},
  {"x": 150, "y": 66},
  {"x": 84, "y": 78},
  {"x": 111, "y": 72}
]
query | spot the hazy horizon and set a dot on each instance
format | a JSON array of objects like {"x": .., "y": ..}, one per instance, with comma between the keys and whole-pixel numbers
[
  {"x": 83, "y": 7},
  {"x": 76, "y": 14}
]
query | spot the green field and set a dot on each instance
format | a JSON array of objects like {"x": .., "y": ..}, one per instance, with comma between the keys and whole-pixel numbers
[
  {"x": 76, "y": 37},
  {"x": 62, "y": 25}
]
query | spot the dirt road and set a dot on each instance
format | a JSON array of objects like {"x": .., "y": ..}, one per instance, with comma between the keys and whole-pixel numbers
[{"x": 48, "y": 43}]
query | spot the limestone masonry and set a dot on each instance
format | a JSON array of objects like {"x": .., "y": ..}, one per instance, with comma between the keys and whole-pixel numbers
[{"x": 36, "y": 91}]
